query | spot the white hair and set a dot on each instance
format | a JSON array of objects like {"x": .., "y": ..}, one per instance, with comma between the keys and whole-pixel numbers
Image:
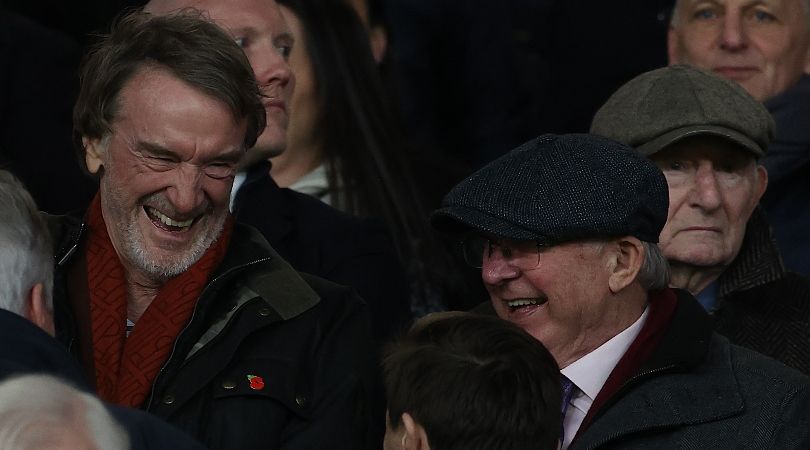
[
  {"x": 654, "y": 272},
  {"x": 41, "y": 411},
  {"x": 26, "y": 256}
]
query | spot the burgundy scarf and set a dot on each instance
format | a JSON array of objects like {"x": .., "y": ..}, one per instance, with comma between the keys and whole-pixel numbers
[
  {"x": 662, "y": 308},
  {"x": 126, "y": 367}
]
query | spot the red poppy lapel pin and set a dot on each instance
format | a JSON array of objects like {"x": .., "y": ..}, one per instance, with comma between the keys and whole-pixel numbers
[{"x": 256, "y": 382}]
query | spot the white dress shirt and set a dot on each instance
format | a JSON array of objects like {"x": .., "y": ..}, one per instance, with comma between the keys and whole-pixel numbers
[
  {"x": 590, "y": 372},
  {"x": 238, "y": 180}
]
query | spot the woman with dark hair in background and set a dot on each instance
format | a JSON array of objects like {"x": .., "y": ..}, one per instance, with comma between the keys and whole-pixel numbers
[{"x": 344, "y": 145}]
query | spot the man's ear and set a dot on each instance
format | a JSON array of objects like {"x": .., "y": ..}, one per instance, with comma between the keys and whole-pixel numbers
[
  {"x": 37, "y": 308},
  {"x": 626, "y": 259},
  {"x": 93, "y": 149},
  {"x": 762, "y": 182},
  {"x": 414, "y": 437}
]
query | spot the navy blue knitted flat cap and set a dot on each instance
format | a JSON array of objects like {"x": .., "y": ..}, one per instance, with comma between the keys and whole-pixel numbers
[{"x": 560, "y": 188}]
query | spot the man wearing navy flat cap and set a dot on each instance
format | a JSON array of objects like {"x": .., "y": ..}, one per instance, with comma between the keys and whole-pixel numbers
[{"x": 564, "y": 229}]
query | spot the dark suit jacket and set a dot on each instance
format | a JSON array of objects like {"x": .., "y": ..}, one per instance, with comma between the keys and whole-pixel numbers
[
  {"x": 27, "y": 349},
  {"x": 318, "y": 239}
]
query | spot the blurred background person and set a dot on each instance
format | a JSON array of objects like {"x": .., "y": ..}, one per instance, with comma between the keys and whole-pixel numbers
[
  {"x": 42, "y": 412},
  {"x": 26, "y": 258},
  {"x": 345, "y": 146},
  {"x": 765, "y": 47}
]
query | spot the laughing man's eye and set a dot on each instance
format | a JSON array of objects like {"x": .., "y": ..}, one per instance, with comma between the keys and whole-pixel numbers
[
  {"x": 220, "y": 171},
  {"x": 241, "y": 42}
]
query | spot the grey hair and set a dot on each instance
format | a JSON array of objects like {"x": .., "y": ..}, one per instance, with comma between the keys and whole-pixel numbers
[
  {"x": 673, "y": 17},
  {"x": 654, "y": 272},
  {"x": 36, "y": 411},
  {"x": 25, "y": 247}
]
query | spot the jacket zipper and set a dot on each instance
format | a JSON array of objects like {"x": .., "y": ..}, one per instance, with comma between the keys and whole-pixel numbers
[
  {"x": 188, "y": 324},
  {"x": 67, "y": 254}
]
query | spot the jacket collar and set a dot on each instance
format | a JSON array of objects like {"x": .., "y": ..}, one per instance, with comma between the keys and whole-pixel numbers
[
  {"x": 671, "y": 388},
  {"x": 758, "y": 262},
  {"x": 277, "y": 283},
  {"x": 262, "y": 203}
]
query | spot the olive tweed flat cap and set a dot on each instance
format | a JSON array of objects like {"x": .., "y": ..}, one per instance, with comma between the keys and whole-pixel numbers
[
  {"x": 559, "y": 188},
  {"x": 660, "y": 107}
]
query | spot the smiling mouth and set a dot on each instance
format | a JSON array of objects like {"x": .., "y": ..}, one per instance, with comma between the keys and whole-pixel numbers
[
  {"x": 165, "y": 222},
  {"x": 520, "y": 303}
]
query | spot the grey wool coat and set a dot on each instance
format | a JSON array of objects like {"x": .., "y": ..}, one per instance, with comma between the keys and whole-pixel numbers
[{"x": 699, "y": 391}]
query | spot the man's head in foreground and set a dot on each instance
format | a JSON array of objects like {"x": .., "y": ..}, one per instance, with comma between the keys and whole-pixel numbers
[
  {"x": 706, "y": 134},
  {"x": 258, "y": 27},
  {"x": 42, "y": 412},
  {"x": 459, "y": 380},
  {"x": 166, "y": 109},
  {"x": 564, "y": 231},
  {"x": 26, "y": 261},
  {"x": 762, "y": 44}
]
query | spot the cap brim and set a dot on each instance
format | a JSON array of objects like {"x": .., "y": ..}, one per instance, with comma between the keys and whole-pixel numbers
[
  {"x": 459, "y": 219},
  {"x": 671, "y": 137}
]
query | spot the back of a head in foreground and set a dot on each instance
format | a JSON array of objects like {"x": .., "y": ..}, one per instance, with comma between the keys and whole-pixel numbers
[
  {"x": 475, "y": 383},
  {"x": 42, "y": 412},
  {"x": 25, "y": 246}
]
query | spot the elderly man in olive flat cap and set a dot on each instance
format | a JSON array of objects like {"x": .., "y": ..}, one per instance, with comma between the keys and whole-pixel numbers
[
  {"x": 708, "y": 134},
  {"x": 764, "y": 46},
  {"x": 564, "y": 231}
]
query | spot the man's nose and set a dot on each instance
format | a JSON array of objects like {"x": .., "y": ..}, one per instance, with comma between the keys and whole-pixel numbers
[
  {"x": 496, "y": 269},
  {"x": 186, "y": 192},
  {"x": 270, "y": 66},
  {"x": 706, "y": 190},
  {"x": 733, "y": 35}
]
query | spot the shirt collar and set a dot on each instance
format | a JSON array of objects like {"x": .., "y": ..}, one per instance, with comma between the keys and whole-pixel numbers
[{"x": 590, "y": 372}]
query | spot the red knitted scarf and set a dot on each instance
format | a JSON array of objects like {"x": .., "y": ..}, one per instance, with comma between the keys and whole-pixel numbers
[{"x": 127, "y": 367}]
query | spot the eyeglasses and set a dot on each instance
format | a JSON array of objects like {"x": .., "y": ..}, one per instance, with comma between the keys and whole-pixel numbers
[{"x": 524, "y": 255}]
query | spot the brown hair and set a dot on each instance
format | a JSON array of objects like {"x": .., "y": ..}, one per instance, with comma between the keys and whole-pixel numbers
[
  {"x": 193, "y": 49},
  {"x": 475, "y": 383}
]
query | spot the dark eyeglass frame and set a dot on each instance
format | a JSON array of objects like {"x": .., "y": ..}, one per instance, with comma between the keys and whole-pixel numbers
[{"x": 477, "y": 247}]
